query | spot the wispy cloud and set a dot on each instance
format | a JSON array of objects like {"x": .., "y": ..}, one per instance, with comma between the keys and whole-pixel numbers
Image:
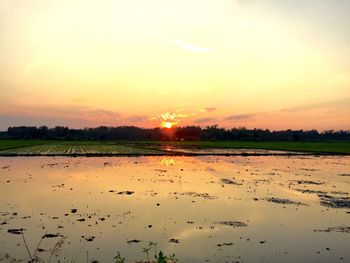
[
  {"x": 190, "y": 47},
  {"x": 240, "y": 117},
  {"x": 206, "y": 120},
  {"x": 345, "y": 102},
  {"x": 208, "y": 109},
  {"x": 137, "y": 118}
]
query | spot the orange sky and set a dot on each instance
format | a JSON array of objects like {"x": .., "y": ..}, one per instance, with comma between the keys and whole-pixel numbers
[{"x": 266, "y": 64}]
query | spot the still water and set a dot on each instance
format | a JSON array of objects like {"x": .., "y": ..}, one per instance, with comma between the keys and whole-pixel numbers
[{"x": 203, "y": 209}]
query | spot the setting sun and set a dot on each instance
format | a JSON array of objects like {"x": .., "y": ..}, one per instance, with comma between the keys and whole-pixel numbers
[
  {"x": 167, "y": 125},
  {"x": 168, "y": 120}
]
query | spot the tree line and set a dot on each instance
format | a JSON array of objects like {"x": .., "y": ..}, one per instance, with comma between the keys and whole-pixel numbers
[{"x": 178, "y": 133}]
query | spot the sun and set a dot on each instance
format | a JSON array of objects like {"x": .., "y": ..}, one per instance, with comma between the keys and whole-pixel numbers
[
  {"x": 169, "y": 120},
  {"x": 167, "y": 124}
]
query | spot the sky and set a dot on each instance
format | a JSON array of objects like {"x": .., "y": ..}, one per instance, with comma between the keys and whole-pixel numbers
[{"x": 275, "y": 64}]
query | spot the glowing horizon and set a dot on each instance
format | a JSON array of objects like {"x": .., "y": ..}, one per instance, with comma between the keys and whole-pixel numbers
[{"x": 259, "y": 64}]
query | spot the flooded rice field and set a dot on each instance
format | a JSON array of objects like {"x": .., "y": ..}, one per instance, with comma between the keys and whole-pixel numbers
[{"x": 203, "y": 209}]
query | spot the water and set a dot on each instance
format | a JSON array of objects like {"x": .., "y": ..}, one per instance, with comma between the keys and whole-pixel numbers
[{"x": 179, "y": 198}]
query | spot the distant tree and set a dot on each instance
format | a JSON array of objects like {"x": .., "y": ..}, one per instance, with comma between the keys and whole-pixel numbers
[{"x": 213, "y": 132}]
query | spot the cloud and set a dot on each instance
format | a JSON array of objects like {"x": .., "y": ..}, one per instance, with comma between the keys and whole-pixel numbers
[
  {"x": 69, "y": 115},
  {"x": 240, "y": 117},
  {"x": 208, "y": 109},
  {"x": 205, "y": 120},
  {"x": 99, "y": 114},
  {"x": 345, "y": 102},
  {"x": 190, "y": 47},
  {"x": 137, "y": 118}
]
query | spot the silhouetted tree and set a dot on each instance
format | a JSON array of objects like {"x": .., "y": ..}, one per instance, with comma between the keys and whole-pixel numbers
[{"x": 179, "y": 133}]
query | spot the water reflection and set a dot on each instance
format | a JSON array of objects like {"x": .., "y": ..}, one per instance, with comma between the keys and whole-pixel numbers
[
  {"x": 217, "y": 208},
  {"x": 167, "y": 161}
]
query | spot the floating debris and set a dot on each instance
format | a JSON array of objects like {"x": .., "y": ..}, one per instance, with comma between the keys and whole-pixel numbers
[{"x": 174, "y": 240}]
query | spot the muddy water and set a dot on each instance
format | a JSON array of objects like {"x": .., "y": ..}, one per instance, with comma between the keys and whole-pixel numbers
[{"x": 203, "y": 209}]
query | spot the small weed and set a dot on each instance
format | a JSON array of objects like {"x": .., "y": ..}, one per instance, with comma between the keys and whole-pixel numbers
[{"x": 119, "y": 259}]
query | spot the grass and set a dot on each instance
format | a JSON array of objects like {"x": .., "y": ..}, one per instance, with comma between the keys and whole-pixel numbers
[
  {"x": 100, "y": 148},
  {"x": 151, "y": 248}
]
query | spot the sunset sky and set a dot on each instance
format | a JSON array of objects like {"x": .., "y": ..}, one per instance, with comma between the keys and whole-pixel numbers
[{"x": 274, "y": 64}]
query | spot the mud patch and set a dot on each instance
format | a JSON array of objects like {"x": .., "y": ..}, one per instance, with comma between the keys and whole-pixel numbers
[
  {"x": 340, "y": 229},
  {"x": 133, "y": 241},
  {"x": 335, "y": 202},
  {"x": 231, "y": 223},
  {"x": 284, "y": 201},
  {"x": 195, "y": 194},
  {"x": 51, "y": 235},
  {"x": 308, "y": 182},
  {"x": 122, "y": 192},
  {"x": 16, "y": 231},
  {"x": 308, "y": 191},
  {"x": 229, "y": 181},
  {"x": 224, "y": 244}
]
